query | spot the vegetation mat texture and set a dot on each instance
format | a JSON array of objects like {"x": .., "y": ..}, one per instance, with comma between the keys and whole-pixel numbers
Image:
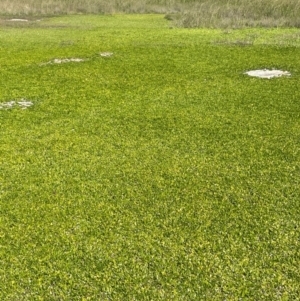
[{"x": 147, "y": 165}]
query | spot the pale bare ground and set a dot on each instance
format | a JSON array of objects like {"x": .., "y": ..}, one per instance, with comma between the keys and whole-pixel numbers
[
  {"x": 22, "y": 103},
  {"x": 105, "y": 54},
  {"x": 266, "y": 73}
]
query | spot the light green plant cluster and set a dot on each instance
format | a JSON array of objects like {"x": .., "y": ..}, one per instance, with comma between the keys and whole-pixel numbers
[
  {"x": 185, "y": 13},
  {"x": 159, "y": 172}
]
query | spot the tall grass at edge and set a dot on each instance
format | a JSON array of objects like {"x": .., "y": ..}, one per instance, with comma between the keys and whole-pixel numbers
[
  {"x": 183, "y": 13},
  {"x": 56, "y": 7},
  {"x": 236, "y": 14}
]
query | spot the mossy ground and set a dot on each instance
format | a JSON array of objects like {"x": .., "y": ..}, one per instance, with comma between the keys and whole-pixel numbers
[{"x": 162, "y": 172}]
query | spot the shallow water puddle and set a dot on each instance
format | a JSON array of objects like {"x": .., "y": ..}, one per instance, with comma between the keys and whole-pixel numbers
[{"x": 265, "y": 73}]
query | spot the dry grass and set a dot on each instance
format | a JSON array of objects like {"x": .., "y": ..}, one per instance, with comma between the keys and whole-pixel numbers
[
  {"x": 241, "y": 13},
  {"x": 184, "y": 13},
  {"x": 49, "y": 7}
]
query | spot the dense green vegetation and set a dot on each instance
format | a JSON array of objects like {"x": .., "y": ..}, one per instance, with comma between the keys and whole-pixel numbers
[{"x": 162, "y": 172}]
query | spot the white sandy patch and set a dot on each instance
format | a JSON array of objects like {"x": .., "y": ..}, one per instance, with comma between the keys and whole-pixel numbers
[
  {"x": 61, "y": 61},
  {"x": 18, "y": 20},
  {"x": 74, "y": 60},
  {"x": 106, "y": 54},
  {"x": 265, "y": 73},
  {"x": 23, "y": 104}
]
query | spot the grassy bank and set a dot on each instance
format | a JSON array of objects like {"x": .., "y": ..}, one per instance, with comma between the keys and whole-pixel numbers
[
  {"x": 161, "y": 172},
  {"x": 237, "y": 14},
  {"x": 185, "y": 13}
]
